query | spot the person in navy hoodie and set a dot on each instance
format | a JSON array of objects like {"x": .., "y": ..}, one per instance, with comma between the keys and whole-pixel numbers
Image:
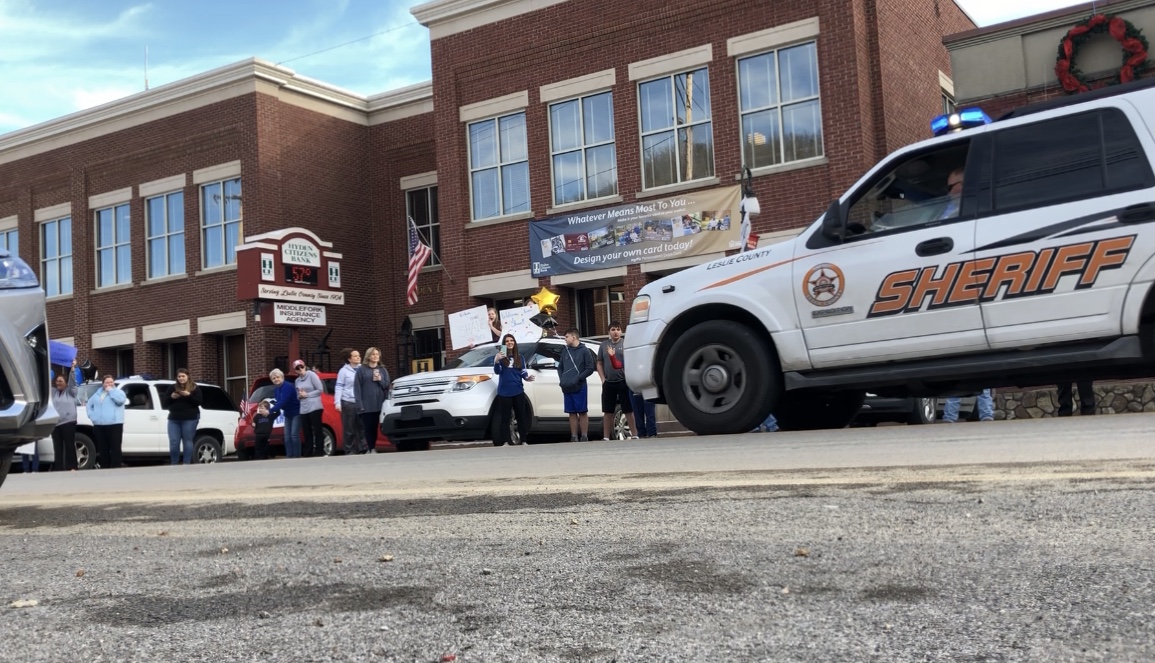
[
  {"x": 285, "y": 401},
  {"x": 510, "y": 370}
]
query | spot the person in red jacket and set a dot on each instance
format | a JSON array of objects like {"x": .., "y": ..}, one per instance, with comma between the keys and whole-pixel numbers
[{"x": 612, "y": 369}]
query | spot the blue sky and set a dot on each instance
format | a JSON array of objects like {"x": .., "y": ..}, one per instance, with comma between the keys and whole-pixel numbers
[{"x": 61, "y": 56}]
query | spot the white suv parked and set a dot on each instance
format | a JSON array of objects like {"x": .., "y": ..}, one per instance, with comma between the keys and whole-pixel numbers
[
  {"x": 146, "y": 423},
  {"x": 456, "y": 403},
  {"x": 1014, "y": 253}
]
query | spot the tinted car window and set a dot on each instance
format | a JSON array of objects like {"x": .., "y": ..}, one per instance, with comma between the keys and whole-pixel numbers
[
  {"x": 1067, "y": 158},
  {"x": 139, "y": 396},
  {"x": 261, "y": 393},
  {"x": 329, "y": 385},
  {"x": 215, "y": 398}
]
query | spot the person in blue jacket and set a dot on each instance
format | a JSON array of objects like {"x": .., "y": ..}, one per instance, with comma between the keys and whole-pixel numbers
[
  {"x": 106, "y": 410},
  {"x": 285, "y": 402},
  {"x": 510, "y": 369}
]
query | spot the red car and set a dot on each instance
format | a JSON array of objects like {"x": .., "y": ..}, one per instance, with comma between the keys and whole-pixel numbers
[{"x": 330, "y": 419}]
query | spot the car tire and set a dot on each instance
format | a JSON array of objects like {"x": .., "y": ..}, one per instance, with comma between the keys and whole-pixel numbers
[
  {"x": 621, "y": 429},
  {"x": 5, "y": 464},
  {"x": 741, "y": 375},
  {"x": 818, "y": 411},
  {"x": 330, "y": 441},
  {"x": 85, "y": 452},
  {"x": 206, "y": 450},
  {"x": 924, "y": 411}
]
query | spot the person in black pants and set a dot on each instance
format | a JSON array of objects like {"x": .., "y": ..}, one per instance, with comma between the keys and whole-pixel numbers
[
  {"x": 106, "y": 411},
  {"x": 64, "y": 435},
  {"x": 1086, "y": 398},
  {"x": 370, "y": 389}
]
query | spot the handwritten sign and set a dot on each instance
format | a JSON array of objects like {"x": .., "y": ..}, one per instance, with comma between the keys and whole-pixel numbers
[
  {"x": 516, "y": 321},
  {"x": 469, "y": 327}
]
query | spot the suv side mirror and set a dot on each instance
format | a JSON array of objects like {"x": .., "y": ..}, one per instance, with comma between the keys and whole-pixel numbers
[{"x": 834, "y": 223}]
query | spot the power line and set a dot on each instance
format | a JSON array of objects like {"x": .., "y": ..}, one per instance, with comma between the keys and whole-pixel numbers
[{"x": 354, "y": 41}]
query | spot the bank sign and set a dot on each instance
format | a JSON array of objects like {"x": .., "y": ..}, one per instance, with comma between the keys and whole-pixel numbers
[{"x": 693, "y": 223}]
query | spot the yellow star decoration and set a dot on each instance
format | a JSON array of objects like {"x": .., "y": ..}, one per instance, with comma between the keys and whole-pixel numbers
[{"x": 546, "y": 301}]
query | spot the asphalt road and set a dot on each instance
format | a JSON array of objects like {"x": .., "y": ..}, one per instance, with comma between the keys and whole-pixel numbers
[{"x": 1008, "y": 541}]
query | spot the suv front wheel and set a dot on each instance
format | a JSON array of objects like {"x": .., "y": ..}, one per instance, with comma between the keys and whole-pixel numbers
[{"x": 723, "y": 379}]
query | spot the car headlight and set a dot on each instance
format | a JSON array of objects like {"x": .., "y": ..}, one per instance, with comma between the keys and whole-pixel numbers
[
  {"x": 15, "y": 273},
  {"x": 641, "y": 309},
  {"x": 467, "y": 382}
]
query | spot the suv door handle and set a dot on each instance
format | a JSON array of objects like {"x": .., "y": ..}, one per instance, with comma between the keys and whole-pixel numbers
[
  {"x": 1140, "y": 213},
  {"x": 933, "y": 247}
]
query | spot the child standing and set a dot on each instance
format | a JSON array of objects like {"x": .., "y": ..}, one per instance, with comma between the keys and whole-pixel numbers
[
  {"x": 576, "y": 365},
  {"x": 262, "y": 429}
]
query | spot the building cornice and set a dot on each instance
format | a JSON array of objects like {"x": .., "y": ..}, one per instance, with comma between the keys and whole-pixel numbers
[
  {"x": 447, "y": 17},
  {"x": 1065, "y": 17},
  {"x": 244, "y": 77}
]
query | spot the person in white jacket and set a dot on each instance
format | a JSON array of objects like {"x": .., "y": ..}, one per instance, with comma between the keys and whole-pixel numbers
[{"x": 346, "y": 401}]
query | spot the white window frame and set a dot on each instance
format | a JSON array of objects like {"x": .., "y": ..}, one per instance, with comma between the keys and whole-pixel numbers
[
  {"x": 424, "y": 229},
  {"x": 582, "y": 147},
  {"x": 58, "y": 259},
  {"x": 780, "y": 104},
  {"x": 11, "y": 240},
  {"x": 501, "y": 163},
  {"x": 224, "y": 223},
  {"x": 674, "y": 127},
  {"x": 167, "y": 236},
  {"x": 117, "y": 243}
]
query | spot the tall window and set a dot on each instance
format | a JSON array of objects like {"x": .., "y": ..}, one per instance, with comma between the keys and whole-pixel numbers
[
  {"x": 421, "y": 205},
  {"x": 113, "y": 251},
  {"x": 677, "y": 132},
  {"x": 165, "y": 224},
  {"x": 56, "y": 256},
  {"x": 499, "y": 166},
  {"x": 781, "y": 112},
  {"x": 125, "y": 366},
  {"x": 222, "y": 225},
  {"x": 10, "y": 241},
  {"x": 581, "y": 143},
  {"x": 236, "y": 367},
  {"x": 948, "y": 105}
]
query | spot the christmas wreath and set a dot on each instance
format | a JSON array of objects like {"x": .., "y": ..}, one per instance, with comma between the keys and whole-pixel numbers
[{"x": 1129, "y": 37}]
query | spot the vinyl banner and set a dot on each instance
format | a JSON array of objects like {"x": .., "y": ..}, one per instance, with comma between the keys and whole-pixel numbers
[{"x": 693, "y": 223}]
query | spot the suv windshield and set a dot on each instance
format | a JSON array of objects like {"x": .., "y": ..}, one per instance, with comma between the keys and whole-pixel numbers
[{"x": 475, "y": 358}]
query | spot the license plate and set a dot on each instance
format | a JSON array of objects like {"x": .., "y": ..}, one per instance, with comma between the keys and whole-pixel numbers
[{"x": 410, "y": 412}]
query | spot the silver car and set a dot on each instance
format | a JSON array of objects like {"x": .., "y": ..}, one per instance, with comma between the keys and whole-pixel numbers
[{"x": 26, "y": 412}]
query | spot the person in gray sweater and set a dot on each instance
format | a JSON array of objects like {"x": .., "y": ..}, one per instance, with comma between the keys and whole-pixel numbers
[
  {"x": 370, "y": 389},
  {"x": 309, "y": 389},
  {"x": 64, "y": 435}
]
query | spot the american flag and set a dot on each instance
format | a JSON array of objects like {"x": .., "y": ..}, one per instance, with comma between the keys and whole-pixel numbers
[{"x": 418, "y": 254}]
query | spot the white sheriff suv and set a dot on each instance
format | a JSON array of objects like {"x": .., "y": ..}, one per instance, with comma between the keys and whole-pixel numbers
[{"x": 1008, "y": 253}]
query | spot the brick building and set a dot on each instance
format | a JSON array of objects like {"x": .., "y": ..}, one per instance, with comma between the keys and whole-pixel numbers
[
  {"x": 1001, "y": 67},
  {"x": 131, "y": 210}
]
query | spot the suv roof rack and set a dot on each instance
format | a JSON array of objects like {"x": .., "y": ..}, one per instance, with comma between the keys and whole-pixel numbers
[{"x": 1071, "y": 100}]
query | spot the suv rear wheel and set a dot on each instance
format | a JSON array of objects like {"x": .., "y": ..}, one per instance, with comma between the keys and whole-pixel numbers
[
  {"x": 925, "y": 411},
  {"x": 724, "y": 381},
  {"x": 330, "y": 443},
  {"x": 85, "y": 452},
  {"x": 206, "y": 450}
]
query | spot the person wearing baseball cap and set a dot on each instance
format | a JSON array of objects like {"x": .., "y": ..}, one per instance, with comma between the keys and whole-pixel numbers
[{"x": 309, "y": 391}]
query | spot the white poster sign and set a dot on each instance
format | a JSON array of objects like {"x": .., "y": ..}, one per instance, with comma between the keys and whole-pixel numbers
[
  {"x": 308, "y": 315},
  {"x": 516, "y": 321},
  {"x": 469, "y": 327}
]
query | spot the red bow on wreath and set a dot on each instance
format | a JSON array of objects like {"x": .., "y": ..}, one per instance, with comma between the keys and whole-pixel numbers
[{"x": 1129, "y": 37}]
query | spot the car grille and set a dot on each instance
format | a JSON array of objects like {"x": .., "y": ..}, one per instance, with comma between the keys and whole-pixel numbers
[{"x": 420, "y": 391}]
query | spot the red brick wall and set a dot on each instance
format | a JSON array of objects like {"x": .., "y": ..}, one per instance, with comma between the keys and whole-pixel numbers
[{"x": 911, "y": 54}]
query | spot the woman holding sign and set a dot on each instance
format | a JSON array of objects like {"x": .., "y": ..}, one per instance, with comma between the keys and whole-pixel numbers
[
  {"x": 494, "y": 324},
  {"x": 510, "y": 370}
]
